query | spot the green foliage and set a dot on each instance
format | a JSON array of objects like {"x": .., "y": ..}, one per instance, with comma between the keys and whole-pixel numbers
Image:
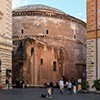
[
  {"x": 85, "y": 85},
  {"x": 96, "y": 84}
]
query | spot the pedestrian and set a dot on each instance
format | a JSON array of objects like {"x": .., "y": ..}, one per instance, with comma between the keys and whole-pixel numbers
[
  {"x": 49, "y": 91},
  {"x": 61, "y": 85},
  {"x": 52, "y": 86},
  {"x": 74, "y": 86},
  {"x": 23, "y": 85},
  {"x": 17, "y": 83},
  {"x": 66, "y": 85},
  {"x": 69, "y": 87},
  {"x": 7, "y": 83}
]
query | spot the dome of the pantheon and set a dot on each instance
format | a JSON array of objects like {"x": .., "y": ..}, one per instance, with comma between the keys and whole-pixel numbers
[
  {"x": 41, "y": 18},
  {"x": 39, "y": 7}
]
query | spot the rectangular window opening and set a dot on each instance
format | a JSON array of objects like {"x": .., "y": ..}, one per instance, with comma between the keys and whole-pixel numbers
[
  {"x": 47, "y": 31},
  {"x": 41, "y": 61},
  {"x": 54, "y": 66},
  {"x": 74, "y": 36},
  {"x": 22, "y": 31}
]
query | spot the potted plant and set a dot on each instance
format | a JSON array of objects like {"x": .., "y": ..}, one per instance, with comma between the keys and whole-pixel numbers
[
  {"x": 96, "y": 84},
  {"x": 84, "y": 85}
]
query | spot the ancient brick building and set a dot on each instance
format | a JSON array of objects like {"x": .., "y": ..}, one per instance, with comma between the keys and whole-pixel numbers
[{"x": 48, "y": 44}]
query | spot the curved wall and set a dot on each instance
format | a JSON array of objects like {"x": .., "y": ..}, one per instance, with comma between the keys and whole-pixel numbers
[{"x": 63, "y": 32}]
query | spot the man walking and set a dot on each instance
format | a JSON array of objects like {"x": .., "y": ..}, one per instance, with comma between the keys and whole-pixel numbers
[{"x": 61, "y": 85}]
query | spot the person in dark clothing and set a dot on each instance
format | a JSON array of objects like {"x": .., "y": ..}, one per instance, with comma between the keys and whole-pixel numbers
[
  {"x": 7, "y": 83},
  {"x": 17, "y": 83},
  {"x": 51, "y": 86}
]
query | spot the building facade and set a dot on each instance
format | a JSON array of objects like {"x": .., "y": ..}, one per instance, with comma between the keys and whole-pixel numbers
[
  {"x": 36, "y": 62},
  {"x": 60, "y": 50},
  {"x": 93, "y": 40},
  {"x": 5, "y": 40}
]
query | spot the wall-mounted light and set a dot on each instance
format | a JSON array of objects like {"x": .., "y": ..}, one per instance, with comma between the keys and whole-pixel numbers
[{"x": 92, "y": 61}]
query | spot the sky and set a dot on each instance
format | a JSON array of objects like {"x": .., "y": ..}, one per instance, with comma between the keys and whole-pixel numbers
[{"x": 76, "y": 8}]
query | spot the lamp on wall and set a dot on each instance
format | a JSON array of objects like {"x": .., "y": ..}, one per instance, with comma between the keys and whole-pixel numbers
[{"x": 92, "y": 61}]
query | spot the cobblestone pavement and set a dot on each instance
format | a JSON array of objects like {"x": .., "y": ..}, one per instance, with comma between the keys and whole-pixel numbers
[{"x": 35, "y": 94}]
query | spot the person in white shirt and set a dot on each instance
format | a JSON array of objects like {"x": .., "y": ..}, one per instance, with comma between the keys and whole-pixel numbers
[
  {"x": 69, "y": 87},
  {"x": 61, "y": 85}
]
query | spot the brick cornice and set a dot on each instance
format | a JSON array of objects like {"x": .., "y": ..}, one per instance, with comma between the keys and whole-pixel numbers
[
  {"x": 38, "y": 37},
  {"x": 48, "y": 14}
]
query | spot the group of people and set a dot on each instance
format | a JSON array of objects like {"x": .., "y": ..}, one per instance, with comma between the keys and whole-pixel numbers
[
  {"x": 69, "y": 86},
  {"x": 20, "y": 83}
]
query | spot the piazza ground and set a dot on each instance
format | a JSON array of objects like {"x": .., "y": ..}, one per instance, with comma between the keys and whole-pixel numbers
[{"x": 34, "y": 94}]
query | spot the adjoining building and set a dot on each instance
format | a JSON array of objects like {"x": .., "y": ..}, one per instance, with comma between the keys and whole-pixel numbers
[
  {"x": 48, "y": 44},
  {"x": 93, "y": 40},
  {"x": 5, "y": 40}
]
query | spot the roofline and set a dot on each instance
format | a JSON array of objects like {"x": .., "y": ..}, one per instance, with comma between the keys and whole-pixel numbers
[
  {"x": 48, "y": 14},
  {"x": 78, "y": 20},
  {"x": 46, "y": 7},
  {"x": 55, "y": 13}
]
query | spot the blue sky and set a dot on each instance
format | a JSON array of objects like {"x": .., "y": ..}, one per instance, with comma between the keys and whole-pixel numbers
[{"x": 76, "y": 8}]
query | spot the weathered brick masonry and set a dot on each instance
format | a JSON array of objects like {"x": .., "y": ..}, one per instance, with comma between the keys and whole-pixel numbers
[{"x": 53, "y": 42}]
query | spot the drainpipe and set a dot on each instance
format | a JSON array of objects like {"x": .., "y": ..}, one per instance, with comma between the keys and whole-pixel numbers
[{"x": 96, "y": 39}]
